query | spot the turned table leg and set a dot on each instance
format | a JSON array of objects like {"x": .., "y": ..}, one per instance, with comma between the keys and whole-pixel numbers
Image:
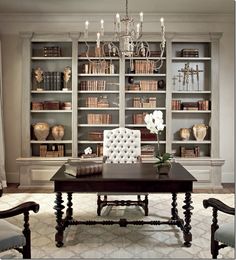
[
  {"x": 174, "y": 211},
  {"x": 187, "y": 213},
  {"x": 69, "y": 211},
  {"x": 59, "y": 213}
]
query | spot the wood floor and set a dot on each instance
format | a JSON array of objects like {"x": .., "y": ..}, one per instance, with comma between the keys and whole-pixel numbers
[{"x": 13, "y": 188}]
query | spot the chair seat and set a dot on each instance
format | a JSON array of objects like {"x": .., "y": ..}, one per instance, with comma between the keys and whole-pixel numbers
[
  {"x": 10, "y": 236},
  {"x": 225, "y": 234}
]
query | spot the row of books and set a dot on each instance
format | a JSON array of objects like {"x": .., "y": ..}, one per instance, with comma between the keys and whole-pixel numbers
[
  {"x": 100, "y": 67},
  {"x": 190, "y": 53},
  {"x": 138, "y": 118},
  {"x": 139, "y": 102},
  {"x": 53, "y": 151},
  {"x": 198, "y": 105},
  {"x": 97, "y": 101},
  {"x": 51, "y": 80},
  {"x": 143, "y": 85},
  {"x": 51, "y": 105},
  {"x": 189, "y": 152},
  {"x": 52, "y": 51},
  {"x": 92, "y": 85},
  {"x": 144, "y": 67},
  {"x": 148, "y": 151},
  {"x": 94, "y": 119}
]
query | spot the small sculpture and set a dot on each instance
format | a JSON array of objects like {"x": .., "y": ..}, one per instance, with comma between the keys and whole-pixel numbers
[
  {"x": 58, "y": 132},
  {"x": 38, "y": 74},
  {"x": 67, "y": 76},
  {"x": 88, "y": 150},
  {"x": 184, "y": 133}
]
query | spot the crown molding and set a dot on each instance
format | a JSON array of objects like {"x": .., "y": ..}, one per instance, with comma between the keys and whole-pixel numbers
[{"x": 81, "y": 17}]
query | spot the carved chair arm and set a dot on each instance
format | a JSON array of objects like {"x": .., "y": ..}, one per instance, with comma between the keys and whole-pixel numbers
[
  {"x": 20, "y": 209},
  {"x": 219, "y": 205}
]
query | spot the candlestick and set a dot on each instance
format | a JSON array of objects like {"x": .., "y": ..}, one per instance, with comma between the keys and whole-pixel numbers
[
  {"x": 98, "y": 40},
  {"x": 102, "y": 27},
  {"x": 141, "y": 17}
]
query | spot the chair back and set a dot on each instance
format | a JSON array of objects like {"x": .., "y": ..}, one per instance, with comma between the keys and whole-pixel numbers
[{"x": 121, "y": 145}]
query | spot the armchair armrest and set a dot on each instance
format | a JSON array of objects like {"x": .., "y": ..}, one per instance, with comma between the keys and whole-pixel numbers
[
  {"x": 219, "y": 205},
  {"x": 20, "y": 209}
]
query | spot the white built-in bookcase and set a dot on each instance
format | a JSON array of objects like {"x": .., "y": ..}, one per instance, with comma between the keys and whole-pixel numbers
[{"x": 35, "y": 170}]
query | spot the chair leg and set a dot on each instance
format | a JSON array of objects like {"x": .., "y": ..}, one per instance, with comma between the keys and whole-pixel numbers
[
  {"x": 214, "y": 249},
  {"x": 99, "y": 205},
  {"x": 146, "y": 205},
  {"x": 27, "y": 248}
]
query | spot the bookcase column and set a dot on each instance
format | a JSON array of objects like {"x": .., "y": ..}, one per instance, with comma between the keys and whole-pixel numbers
[{"x": 25, "y": 98}]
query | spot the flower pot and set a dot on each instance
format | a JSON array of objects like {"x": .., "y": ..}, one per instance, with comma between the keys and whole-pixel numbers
[{"x": 163, "y": 168}]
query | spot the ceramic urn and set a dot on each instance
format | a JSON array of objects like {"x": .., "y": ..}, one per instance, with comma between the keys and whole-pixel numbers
[{"x": 200, "y": 131}]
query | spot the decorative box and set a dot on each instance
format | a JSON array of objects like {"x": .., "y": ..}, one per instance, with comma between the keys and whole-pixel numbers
[
  {"x": 95, "y": 136},
  {"x": 37, "y": 105},
  {"x": 51, "y": 105}
]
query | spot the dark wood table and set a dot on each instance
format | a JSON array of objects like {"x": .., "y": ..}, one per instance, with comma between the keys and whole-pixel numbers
[{"x": 140, "y": 178}]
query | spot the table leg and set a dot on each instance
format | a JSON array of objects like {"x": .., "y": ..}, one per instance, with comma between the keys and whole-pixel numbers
[
  {"x": 59, "y": 213},
  {"x": 174, "y": 210},
  {"x": 69, "y": 211},
  {"x": 187, "y": 213}
]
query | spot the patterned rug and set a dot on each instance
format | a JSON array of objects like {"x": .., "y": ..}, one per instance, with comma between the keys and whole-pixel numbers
[{"x": 99, "y": 241}]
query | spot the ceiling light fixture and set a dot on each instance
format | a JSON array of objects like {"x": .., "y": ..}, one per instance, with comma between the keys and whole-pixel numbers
[{"x": 128, "y": 35}]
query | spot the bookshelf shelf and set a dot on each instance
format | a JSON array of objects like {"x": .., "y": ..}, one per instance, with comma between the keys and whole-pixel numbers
[
  {"x": 97, "y": 75},
  {"x": 192, "y": 92},
  {"x": 145, "y": 91},
  {"x": 191, "y": 111},
  {"x": 50, "y": 92},
  {"x": 144, "y": 75},
  {"x": 192, "y": 142},
  {"x": 145, "y": 108},
  {"x": 191, "y": 58},
  {"x": 51, "y": 58},
  {"x": 98, "y": 108},
  {"x": 51, "y": 142},
  {"x": 98, "y": 91},
  {"x": 51, "y": 111},
  {"x": 99, "y": 125}
]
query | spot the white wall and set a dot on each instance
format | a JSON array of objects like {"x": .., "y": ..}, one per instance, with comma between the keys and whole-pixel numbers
[{"x": 12, "y": 25}]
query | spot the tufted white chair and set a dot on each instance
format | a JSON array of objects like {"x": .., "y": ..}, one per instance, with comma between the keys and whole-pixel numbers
[{"x": 121, "y": 145}]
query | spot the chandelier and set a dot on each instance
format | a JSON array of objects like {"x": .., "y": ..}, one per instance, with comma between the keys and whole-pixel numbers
[{"x": 128, "y": 35}]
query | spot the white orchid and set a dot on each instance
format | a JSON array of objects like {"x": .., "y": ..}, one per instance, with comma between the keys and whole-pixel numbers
[{"x": 154, "y": 122}]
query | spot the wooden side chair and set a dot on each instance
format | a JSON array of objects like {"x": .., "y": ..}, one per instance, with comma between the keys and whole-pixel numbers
[
  {"x": 121, "y": 145},
  {"x": 221, "y": 235},
  {"x": 11, "y": 236}
]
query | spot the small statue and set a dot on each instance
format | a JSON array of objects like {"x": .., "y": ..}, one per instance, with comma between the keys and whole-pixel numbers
[
  {"x": 67, "y": 76},
  {"x": 38, "y": 74}
]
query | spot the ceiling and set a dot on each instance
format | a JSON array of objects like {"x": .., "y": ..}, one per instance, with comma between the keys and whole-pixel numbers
[{"x": 113, "y": 6}]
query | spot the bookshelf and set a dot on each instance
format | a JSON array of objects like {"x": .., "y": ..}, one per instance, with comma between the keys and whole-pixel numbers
[{"x": 118, "y": 93}]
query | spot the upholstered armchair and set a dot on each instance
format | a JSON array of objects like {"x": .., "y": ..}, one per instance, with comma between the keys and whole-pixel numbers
[
  {"x": 121, "y": 145},
  {"x": 11, "y": 236},
  {"x": 221, "y": 235}
]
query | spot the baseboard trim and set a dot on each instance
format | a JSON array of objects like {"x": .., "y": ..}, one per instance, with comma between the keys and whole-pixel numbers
[
  {"x": 13, "y": 177},
  {"x": 228, "y": 177}
]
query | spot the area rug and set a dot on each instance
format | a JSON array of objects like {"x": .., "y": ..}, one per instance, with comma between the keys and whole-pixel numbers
[{"x": 99, "y": 241}]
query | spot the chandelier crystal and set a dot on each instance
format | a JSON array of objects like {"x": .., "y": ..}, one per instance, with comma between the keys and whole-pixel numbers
[{"x": 129, "y": 36}]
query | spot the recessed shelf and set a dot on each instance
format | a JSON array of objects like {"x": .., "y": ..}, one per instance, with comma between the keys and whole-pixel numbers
[
  {"x": 145, "y": 108},
  {"x": 98, "y": 91},
  {"x": 98, "y": 125},
  {"x": 192, "y": 92},
  {"x": 191, "y": 142},
  {"x": 145, "y": 91},
  {"x": 98, "y": 75}
]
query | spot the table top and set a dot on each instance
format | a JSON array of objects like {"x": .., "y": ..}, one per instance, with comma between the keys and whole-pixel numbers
[{"x": 129, "y": 172}]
